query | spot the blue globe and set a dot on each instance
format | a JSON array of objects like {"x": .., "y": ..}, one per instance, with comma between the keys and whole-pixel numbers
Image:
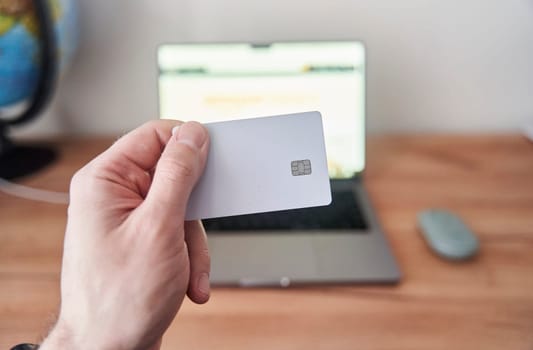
[
  {"x": 37, "y": 40},
  {"x": 20, "y": 49}
]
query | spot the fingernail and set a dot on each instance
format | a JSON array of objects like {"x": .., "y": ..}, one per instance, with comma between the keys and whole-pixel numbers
[
  {"x": 190, "y": 133},
  {"x": 203, "y": 283},
  {"x": 175, "y": 130}
]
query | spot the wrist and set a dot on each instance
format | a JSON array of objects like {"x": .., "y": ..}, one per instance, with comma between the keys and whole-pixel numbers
[
  {"x": 64, "y": 336},
  {"x": 59, "y": 337}
]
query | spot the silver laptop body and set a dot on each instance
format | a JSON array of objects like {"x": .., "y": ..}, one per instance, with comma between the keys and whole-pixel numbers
[{"x": 211, "y": 82}]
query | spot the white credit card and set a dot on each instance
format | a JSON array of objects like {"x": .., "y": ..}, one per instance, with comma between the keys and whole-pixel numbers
[{"x": 262, "y": 164}]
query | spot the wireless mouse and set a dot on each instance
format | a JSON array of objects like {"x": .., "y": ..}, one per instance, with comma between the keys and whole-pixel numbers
[{"x": 447, "y": 235}]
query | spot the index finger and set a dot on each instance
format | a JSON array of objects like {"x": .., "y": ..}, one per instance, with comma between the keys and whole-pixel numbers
[{"x": 142, "y": 146}]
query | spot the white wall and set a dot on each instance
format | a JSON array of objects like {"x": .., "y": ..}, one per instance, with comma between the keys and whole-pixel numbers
[{"x": 459, "y": 65}]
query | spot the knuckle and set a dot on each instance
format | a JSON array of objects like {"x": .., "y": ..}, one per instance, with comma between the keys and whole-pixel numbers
[
  {"x": 152, "y": 123},
  {"x": 183, "y": 168},
  {"x": 158, "y": 123},
  {"x": 83, "y": 182},
  {"x": 201, "y": 260},
  {"x": 179, "y": 165},
  {"x": 204, "y": 255},
  {"x": 176, "y": 170},
  {"x": 78, "y": 179}
]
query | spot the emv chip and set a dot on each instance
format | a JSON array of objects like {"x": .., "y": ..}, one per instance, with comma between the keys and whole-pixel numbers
[{"x": 301, "y": 167}]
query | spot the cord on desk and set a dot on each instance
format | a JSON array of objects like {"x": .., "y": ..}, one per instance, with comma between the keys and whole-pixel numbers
[{"x": 34, "y": 194}]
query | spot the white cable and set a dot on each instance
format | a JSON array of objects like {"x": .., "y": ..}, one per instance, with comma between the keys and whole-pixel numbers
[
  {"x": 528, "y": 132},
  {"x": 34, "y": 194}
]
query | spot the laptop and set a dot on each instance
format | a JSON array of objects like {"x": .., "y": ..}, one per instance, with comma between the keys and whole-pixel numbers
[{"x": 339, "y": 243}]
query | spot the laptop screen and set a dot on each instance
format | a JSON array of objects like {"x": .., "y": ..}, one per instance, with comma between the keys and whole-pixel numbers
[{"x": 216, "y": 82}]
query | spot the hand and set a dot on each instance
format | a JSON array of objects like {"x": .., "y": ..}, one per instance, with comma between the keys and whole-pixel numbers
[{"x": 129, "y": 258}]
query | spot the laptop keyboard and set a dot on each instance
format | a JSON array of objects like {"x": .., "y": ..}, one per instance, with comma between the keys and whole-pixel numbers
[{"x": 344, "y": 213}]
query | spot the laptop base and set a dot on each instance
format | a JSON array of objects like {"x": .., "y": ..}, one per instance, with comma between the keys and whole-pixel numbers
[{"x": 282, "y": 258}]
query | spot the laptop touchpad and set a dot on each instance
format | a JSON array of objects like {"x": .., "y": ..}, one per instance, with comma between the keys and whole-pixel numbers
[{"x": 267, "y": 259}]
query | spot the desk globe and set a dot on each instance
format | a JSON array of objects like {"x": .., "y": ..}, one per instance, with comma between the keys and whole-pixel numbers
[{"x": 37, "y": 40}]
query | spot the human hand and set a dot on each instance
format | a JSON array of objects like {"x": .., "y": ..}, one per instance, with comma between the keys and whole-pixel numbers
[{"x": 129, "y": 258}]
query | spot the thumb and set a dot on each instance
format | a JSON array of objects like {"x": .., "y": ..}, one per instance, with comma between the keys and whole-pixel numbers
[{"x": 177, "y": 171}]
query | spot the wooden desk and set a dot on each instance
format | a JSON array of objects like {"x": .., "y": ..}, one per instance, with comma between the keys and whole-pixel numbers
[{"x": 485, "y": 304}]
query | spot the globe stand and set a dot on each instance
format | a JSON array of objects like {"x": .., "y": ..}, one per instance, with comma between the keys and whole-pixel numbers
[{"x": 22, "y": 160}]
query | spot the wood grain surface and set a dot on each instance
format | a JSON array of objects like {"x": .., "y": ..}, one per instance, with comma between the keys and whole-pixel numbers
[{"x": 485, "y": 303}]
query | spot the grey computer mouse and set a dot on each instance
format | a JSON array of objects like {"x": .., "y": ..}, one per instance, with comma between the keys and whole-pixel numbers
[{"x": 447, "y": 235}]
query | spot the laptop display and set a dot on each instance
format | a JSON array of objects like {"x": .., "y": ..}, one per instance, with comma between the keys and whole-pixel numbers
[{"x": 215, "y": 82}]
